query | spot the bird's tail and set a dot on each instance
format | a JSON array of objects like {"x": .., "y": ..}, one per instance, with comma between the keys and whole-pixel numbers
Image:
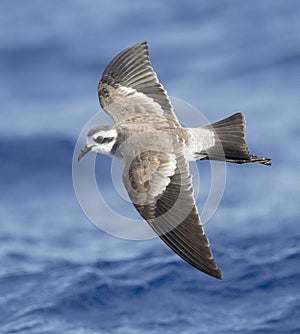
[{"x": 230, "y": 144}]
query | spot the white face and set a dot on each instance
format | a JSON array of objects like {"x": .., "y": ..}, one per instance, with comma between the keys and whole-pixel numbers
[{"x": 102, "y": 141}]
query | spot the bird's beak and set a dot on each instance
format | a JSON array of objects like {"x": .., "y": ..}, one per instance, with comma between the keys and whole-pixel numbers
[{"x": 84, "y": 151}]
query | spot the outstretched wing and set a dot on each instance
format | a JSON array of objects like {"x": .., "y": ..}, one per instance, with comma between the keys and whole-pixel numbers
[
  {"x": 129, "y": 87},
  {"x": 160, "y": 187}
]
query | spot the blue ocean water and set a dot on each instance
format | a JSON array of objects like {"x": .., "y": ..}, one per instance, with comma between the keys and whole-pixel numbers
[{"x": 61, "y": 274}]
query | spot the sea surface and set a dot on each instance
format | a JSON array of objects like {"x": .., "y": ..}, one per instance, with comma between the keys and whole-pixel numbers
[{"x": 59, "y": 273}]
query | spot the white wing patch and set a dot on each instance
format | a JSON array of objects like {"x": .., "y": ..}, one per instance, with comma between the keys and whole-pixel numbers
[
  {"x": 125, "y": 103},
  {"x": 140, "y": 100}
]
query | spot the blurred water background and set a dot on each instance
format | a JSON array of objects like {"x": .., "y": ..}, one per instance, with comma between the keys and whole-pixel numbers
[{"x": 61, "y": 274}]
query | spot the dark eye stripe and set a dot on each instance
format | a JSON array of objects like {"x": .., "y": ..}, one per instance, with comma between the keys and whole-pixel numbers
[{"x": 107, "y": 140}]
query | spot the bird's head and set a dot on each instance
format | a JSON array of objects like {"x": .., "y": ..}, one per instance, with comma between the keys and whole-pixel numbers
[{"x": 100, "y": 139}]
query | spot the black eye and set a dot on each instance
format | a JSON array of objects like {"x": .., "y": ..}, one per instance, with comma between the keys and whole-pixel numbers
[{"x": 99, "y": 139}]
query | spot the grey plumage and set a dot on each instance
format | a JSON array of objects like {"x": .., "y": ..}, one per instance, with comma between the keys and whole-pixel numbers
[
  {"x": 156, "y": 151},
  {"x": 132, "y": 69}
]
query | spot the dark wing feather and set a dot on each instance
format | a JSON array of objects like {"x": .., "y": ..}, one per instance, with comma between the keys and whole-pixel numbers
[
  {"x": 172, "y": 213},
  {"x": 128, "y": 76}
]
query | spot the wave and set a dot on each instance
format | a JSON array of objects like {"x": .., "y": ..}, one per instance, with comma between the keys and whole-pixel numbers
[{"x": 107, "y": 295}]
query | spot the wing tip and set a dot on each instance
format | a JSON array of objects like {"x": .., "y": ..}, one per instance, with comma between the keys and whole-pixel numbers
[
  {"x": 218, "y": 274},
  {"x": 141, "y": 44},
  {"x": 144, "y": 43},
  {"x": 214, "y": 272}
]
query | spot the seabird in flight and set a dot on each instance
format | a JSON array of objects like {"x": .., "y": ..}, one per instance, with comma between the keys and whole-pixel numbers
[{"x": 156, "y": 152}]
